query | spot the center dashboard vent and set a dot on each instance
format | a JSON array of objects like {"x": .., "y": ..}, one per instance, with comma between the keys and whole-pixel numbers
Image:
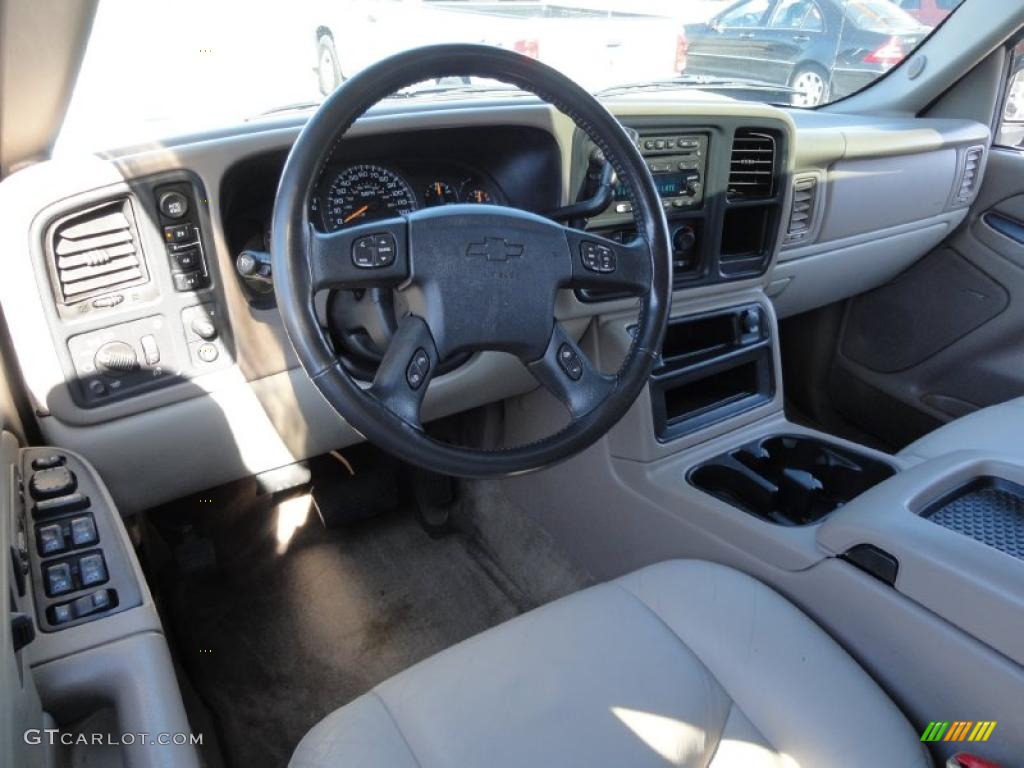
[
  {"x": 752, "y": 165},
  {"x": 95, "y": 251}
]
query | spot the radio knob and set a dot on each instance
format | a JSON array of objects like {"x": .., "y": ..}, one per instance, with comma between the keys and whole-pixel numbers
[{"x": 116, "y": 358}]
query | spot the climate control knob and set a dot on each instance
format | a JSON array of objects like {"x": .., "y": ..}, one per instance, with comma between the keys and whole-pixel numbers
[
  {"x": 116, "y": 358},
  {"x": 204, "y": 328},
  {"x": 684, "y": 239}
]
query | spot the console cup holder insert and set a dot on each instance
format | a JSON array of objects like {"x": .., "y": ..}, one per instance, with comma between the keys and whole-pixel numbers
[{"x": 789, "y": 479}]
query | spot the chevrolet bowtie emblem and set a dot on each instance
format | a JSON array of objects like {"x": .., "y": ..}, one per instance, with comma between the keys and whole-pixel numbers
[{"x": 495, "y": 249}]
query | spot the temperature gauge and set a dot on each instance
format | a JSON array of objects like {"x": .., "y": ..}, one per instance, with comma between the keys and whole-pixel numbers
[{"x": 439, "y": 193}]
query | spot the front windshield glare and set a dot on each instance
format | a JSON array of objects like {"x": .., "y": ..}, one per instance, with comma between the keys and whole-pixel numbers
[{"x": 153, "y": 70}]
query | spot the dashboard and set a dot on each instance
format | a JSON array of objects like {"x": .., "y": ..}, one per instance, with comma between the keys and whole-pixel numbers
[{"x": 164, "y": 336}]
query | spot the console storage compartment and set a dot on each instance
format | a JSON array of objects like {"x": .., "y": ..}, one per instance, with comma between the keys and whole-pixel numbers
[
  {"x": 789, "y": 479},
  {"x": 988, "y": 509},
  {"x": 712, "y": 366}
]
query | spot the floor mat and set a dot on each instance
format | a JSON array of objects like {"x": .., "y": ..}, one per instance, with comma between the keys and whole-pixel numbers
[{"x": 299, "y": 620}]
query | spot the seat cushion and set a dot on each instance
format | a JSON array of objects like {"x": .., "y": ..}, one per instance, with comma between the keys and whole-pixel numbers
[
  {"x": 995, "y": 430},
  {"x": 681, "y": 663}
]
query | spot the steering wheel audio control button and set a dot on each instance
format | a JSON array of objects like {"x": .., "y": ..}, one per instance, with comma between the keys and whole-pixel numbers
[
  {"x": 418, "y": 368},
  {"x": 374, "y": 251},
  {"x": 597, "y": 258},
  {"x": 570, "y": 362},
  {"x": 385, "y": 250}
]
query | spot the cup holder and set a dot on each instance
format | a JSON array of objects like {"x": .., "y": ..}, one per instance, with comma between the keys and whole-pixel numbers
[{"x": 789, "y": 479}]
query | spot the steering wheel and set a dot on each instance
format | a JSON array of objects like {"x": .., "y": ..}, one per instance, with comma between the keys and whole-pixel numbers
[{"x": 469, "y": 277}]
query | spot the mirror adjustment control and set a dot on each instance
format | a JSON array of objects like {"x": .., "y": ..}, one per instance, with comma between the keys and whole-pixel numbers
[{"x": 50, "y": 483}]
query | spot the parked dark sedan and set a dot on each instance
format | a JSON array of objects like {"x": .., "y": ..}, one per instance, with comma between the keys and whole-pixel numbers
[{"x": 821, "y": 49}]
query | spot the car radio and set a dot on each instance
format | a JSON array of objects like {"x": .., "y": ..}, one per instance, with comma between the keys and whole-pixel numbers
[{"x": 677, "y": 162}]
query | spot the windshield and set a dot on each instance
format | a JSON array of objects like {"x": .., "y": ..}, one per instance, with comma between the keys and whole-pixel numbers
[{"x": 153, "y": 70}]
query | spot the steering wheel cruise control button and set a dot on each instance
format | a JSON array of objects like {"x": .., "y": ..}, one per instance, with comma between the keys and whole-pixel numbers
[
  {"x": 374, "y": 251},
  {"x": 597, "y": 258},
  {"x": 570, "y": 362},
  {"x": 418, "y": 368}
]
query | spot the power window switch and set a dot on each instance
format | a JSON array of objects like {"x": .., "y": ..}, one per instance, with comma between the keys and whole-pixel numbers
[
  {"x": 50, "y": 540},
  {"x": 61, "y": 614},
  {"x": 98, "y": 601},
  {"x": 83, "y": 531},
  {"x": 58, "y": 579},
  {"x": 92, "y": 570}
]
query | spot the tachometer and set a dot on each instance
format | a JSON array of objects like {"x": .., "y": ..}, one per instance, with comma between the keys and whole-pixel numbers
[{"x": 362, "y": 193}]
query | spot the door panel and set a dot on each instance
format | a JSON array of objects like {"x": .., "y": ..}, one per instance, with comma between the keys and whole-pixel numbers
[{"x": 947, "y": 336}]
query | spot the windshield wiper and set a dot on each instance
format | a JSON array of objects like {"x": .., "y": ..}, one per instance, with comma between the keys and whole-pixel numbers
[{"x": 726, "y": 85}]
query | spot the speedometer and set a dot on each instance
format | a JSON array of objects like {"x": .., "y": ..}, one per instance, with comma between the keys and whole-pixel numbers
[{"x": 362, "y": 193}]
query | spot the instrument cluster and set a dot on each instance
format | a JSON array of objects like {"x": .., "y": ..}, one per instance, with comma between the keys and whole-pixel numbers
[{"x": 363, "y": 192}]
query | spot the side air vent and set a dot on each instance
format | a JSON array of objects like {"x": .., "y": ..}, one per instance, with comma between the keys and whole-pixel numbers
[
  {"x": 95, "y": 251},
  {"x": 801, "y": 212},
  {"x": 969, "y": 175},
  {"x": 752, "y": 165}
]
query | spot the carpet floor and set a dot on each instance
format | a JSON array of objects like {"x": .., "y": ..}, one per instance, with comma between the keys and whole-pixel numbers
[{"x": 298, "y": 620}]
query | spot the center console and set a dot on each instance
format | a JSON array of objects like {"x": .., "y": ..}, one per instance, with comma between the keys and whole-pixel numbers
[{"x": 712, "y": 366}]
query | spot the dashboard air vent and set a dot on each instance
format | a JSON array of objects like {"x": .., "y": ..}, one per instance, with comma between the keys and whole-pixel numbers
[
  {"x": 752, "y": 165},
  {"x": 969, "y": 175},
  {"x": 801, "y": 213},
  {"x": 95, "y": 251}
]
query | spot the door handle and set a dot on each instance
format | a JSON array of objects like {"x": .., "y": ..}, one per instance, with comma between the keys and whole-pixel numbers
[
  {"x": 1005, "y": 226},
  {"x": 801, "y": 38}
]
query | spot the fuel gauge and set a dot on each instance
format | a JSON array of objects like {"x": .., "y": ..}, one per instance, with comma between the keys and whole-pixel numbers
[
  {"x": 478, "y": 195},
  {"x": 439, "y": 193}
]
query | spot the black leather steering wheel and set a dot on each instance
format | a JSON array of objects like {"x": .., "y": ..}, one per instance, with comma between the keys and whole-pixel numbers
[{"x": 469, "y": 277}]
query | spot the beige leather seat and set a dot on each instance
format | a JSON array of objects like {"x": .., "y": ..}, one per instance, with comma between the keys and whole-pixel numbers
[{"x": 682, "y": 663}]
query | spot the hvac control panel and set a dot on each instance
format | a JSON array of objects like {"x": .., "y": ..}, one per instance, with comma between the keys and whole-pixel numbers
[{"x": 122, "y": 347}]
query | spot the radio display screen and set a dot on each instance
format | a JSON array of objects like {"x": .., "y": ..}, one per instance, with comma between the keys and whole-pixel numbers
[{"x": 668, "y": 184}]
